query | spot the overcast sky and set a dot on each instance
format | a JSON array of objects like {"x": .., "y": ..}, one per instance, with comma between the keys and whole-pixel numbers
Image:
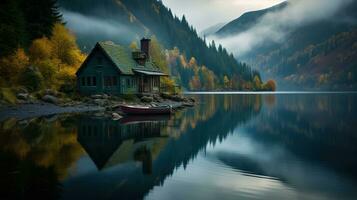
[{"x": 205, "y": 13}]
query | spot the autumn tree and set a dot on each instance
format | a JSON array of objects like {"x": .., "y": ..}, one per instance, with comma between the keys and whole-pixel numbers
[
  {"x": 12, "y": 66},
  {"x": 257, "y": 83},
  {"x": 64, "y": 46},
  {"x": 270, "y": 85},
  {"x": 226, "y": 82},
  {"x": 41, "y": 49}
]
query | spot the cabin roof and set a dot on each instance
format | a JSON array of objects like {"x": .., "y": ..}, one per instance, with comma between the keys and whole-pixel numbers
[{"x": 123, "y": 60}]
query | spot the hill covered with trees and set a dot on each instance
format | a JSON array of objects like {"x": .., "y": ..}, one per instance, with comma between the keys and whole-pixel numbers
[
  {"x": 37, "y": 51},
  {"x": 151, "y": 18},
  {"x": 318, "y": 55}
]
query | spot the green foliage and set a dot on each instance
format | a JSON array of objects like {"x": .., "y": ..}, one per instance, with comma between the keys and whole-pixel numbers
[
  {"x": 12, "y": 27},
  {"x": 32, "y": 79},
  {"x": 129, "y": 97},
  {"x": 22, "y": 21},
  {"x": 158, "y": 20},
  {"x": 8, "y": 95},
  {"x": 55, "y": 61},
  {"x": 13, "y": 65}
]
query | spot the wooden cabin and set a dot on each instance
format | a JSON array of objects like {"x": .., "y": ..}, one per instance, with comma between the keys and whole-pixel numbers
[{"x": 115, "y": 70}]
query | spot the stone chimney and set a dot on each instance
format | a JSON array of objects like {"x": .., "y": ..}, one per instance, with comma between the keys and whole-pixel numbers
[{"x": 145, "y": 47}]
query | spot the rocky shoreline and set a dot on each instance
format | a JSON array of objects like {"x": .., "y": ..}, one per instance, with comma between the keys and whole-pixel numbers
[{"x": 52, "y": 104}]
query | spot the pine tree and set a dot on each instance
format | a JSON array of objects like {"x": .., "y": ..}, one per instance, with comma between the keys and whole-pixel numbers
[
  {"x": 12, "y": 27},
  {"x": 40, "y": 17}
]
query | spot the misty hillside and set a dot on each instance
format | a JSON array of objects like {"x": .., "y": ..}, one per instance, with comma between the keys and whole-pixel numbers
[
  {"x": 124, "y": 21},
  {"x": 212, "y": 29},
  {"x": 247, "y": 20},
  {"x": 317, "y": 55}
]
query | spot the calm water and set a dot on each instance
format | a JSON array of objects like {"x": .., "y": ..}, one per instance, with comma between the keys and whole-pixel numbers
[{"x": 287, "y": 146}]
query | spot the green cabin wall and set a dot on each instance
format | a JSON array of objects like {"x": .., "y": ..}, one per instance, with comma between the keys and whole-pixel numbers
[{"x": 99, "y": 66}]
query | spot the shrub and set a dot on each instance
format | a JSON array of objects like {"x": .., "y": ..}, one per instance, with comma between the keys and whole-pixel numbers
[
  {"x": 8, "y": 95},
  {"x": 32, "y": 78},
  {"x": 270, "y": 86}
]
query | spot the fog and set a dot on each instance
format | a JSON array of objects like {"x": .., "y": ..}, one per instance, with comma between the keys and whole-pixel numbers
[
  {"x": 274, "y": 27},
  {"x": 203, "y": 14},
  {"x": 99, "y": 28}
]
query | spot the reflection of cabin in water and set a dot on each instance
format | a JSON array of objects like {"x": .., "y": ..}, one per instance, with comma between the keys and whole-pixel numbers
[
  {"x": 109, "y": 143},
  {"x": 114, "y": 69}
]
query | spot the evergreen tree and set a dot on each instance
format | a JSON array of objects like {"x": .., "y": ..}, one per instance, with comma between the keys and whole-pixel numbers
[
  {"x": 12, "y": 27},
  {"x": 40, "y": 17}
]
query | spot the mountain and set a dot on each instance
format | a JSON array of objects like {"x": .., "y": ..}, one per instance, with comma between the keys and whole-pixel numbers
[
  {"x": 211, "y": 30},
  {"x": 247, "y": 20},
  {"x": 319, "y": 55},
  {"x": 124, "y": 21}
]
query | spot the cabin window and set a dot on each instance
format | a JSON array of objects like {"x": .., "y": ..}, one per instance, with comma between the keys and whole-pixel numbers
[
  {"x": 89, "y": 81},
  {"x": 128, "y": 82},
  {"x": 94, "y": 81},
  {"x": 133, "y": 82},
  {"x": 110, "y": 81},
  {"x": 83, "y": 81},
  {"x": 114, "y": 80}
]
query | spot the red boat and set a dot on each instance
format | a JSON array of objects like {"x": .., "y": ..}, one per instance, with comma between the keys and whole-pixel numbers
[{"x": 146, "y": 110}]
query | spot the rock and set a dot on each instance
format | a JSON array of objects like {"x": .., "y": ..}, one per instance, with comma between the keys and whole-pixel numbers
[
  {"x": 192, "y": 99},
  {"x": 100, "y": 102},
  {"x": 105, "y": 96},
  {"x": 50, "y": 92},
  {"x": 50, "y": 99},
  {"x": 116, "y": 116},
  {"x": 96, "y": 96},
  {"x": 177, "y": 98},
  {"x": 157, "y": 98},
  {"x": 147, "y": 99},
  {"x": 22, "y": 96},
  {"x": 22, "y": 90},
  {"x": 165, "y": 96}
]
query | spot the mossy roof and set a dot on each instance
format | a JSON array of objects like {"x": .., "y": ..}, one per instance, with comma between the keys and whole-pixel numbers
[{"x": 123, "y": 60}]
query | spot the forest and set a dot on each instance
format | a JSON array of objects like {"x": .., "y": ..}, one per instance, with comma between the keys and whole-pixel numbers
[{"x": 38, "y": 51}]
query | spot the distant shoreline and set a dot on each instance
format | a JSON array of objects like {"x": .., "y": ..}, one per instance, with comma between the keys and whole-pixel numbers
[{"x": 276, "y": 92}]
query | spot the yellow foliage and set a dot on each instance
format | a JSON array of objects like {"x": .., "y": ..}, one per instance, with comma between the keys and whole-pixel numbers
[
  {"x": 13, "y": 65},
  {"x": 168, "y": 84},
  {"x": 133, "y": 45},
  {"x": 270, "y": 85},
  {"x": 8, "y": 95},
  {"x": 57, "y": 58},
  {"x": 40, "y": 49},
  {"x": 64, "y": 46},
  {"x": 193, "y": 62},
  {"x": 257, "y": 83},
  {"x": 158, "y": 56},
  {"x": 226, "y": 82}
]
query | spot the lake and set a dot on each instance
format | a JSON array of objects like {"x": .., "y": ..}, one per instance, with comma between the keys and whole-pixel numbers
[{"x": 230, "y": 146}]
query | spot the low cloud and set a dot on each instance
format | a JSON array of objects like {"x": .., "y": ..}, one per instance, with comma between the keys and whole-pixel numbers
[
  {"x": 92, "y": 26},
  {"x": 274, "y": 27}
]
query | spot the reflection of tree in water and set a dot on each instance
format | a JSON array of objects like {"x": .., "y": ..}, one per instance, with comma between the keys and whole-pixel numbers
[
  {"x": 39, "y": 153},
  {"x": 35, "y": 155},
  {"x": 324, "y": 125},
  {"x": 192, "y": 130}
]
